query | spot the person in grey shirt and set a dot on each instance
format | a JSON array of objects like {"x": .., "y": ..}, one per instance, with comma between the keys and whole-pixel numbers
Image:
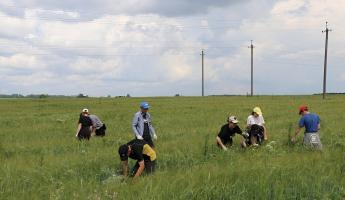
[
  {"x": 98, "y": 127},
  {"x": 142, "y": 126}
]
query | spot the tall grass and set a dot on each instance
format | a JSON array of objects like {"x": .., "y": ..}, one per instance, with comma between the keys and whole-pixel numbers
[{"x": 41, "y": 159}]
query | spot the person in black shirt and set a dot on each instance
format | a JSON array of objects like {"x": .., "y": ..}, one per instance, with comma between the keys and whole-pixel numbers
[
  {"x": 140, "y": 151},
  {"x": 228, "y": 131},
  {"x": 84, "y": 125}
]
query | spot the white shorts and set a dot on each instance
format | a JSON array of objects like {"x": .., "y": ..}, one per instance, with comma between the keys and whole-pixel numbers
[{"x": 312, "y": 140}]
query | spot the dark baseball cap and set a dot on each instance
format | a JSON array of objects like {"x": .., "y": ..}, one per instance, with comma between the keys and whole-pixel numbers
[{"x": 123, "y": 152}]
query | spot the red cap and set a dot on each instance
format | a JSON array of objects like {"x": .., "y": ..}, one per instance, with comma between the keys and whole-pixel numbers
[{"x": 303, "y": 108}]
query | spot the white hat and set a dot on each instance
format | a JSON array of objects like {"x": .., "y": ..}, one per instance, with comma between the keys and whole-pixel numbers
[
  {"x": 233, "y": 119},
  {"x": 85, "y": 110}
]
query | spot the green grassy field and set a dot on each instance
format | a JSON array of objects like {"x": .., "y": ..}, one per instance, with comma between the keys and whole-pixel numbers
[{"x": 41, "y": 159}]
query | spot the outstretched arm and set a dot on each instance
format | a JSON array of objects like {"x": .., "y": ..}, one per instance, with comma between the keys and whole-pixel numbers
[
  {"x": 140, "y": 169},
  {"x": 78, "y": 129},
  {"x": 294, "y": 138},
  {"x": 125, "y": 167},
  {"x": 219, "y": 141}
]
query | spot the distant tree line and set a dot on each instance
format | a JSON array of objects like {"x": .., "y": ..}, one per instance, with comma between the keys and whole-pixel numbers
[
  {"x": 42, "y": 96},
  {"x": 39, "y": 96}
]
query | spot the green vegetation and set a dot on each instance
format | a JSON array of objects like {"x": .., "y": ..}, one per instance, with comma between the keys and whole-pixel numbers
[{"x": 41, "y": 159}]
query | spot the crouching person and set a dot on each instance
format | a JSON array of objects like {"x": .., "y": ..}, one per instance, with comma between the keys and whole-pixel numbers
[
  {"x": 227, "y": 132},
  {"x": 311, "y": 122},
  {"x": 140, "y": 151},
  {"x": 254, "y": 135},
  {"x": 256, "y": 129}
]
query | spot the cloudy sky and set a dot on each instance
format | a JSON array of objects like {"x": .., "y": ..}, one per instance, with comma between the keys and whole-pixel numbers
[{"x": 152, "y": 47}]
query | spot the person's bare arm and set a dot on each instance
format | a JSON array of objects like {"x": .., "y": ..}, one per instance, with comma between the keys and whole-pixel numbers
[
  {"x": 140, "y": 169},
  {"x": 219, "y": 141},
  {"x": 78, "y": 129},
  {"x": 93, "y": 132},
  {"x": 265, "y": 133},
  {"x": 125, "y": 167},
  {"x": 294, "y": 138}
]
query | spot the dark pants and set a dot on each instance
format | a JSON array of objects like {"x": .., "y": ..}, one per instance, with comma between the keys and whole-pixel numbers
[
  {"x": 101, "y": 131},
  {"x": 84, "y": 133},
  {"x": 150, "y": 167},
  {"x": 148, "y": 139},
  {"x": 256, "y": 133}
]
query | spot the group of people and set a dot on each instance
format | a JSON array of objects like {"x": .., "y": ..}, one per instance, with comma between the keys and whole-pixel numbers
[
  {"x": 255, "y": 131},
  {"x": 89, "y": 125},
  {"x": 142, "y": 148}
]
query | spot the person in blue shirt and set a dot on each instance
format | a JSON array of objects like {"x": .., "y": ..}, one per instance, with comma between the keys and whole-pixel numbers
[{"x": 311, "y": 123}]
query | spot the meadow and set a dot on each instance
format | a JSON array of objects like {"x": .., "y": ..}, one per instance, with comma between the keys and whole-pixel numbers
[{"x": 41, "y": 158}]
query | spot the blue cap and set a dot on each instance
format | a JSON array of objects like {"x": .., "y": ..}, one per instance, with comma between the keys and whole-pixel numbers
[{"x": 144, "y": 105}]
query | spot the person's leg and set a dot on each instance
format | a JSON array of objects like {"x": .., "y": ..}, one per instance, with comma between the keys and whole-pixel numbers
[
  {"x": 98, "y": 132},
  {"x": 230, "y": 142},
  {"x": 259, "y": 138},
  {"x": 82, "y": 134},
  {"x": 103, "y": 128},
  {"x": 150, "y": 166},
  {"x": 101, "y": 131},
  {"x": 315, "y": 141},
  {"x": 88, "y": 134},
  {"x": 253, "y": 140}
]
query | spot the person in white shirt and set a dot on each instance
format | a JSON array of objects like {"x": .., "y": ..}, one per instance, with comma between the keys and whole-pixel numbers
[
  {"x": 98, "y": 127},
  {"x": 256, "y": 124}
]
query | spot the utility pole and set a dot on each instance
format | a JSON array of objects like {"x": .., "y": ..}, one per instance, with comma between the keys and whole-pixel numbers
[
  {"x": 251, "y": 67},
  {"x": 325, "y": 62},
  {"x": 202, "y": 72}
]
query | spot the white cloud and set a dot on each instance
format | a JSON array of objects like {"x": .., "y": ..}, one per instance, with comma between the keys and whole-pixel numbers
[
  {"x": 84, "y": 65},
  {"x": 176, "y": 67},
  {"x": 7, "y": 3},
  {"x": 341, "y": 77},
  {"x": 13, "y": 27},
  {"x": 50, "y": 14},
  {"x": 137, "y": 49},
  {"x": 35, "y": 79},
  {"x": 22, "y": 61},
  {"x": 288, "y": 7}
]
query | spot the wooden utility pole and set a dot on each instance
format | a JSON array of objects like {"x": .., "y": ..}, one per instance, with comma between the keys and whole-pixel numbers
[
  {"x": 202, "y": 72},
  {"x": 325, "y": 62},
  {"x": 251, "y": 68}
]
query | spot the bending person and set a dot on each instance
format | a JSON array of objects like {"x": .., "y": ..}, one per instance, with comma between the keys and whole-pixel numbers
[
  {"x": 98, "y": 127},
  {"x": 140, "y": 151},
  {"x": 311, "y": 122}
]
